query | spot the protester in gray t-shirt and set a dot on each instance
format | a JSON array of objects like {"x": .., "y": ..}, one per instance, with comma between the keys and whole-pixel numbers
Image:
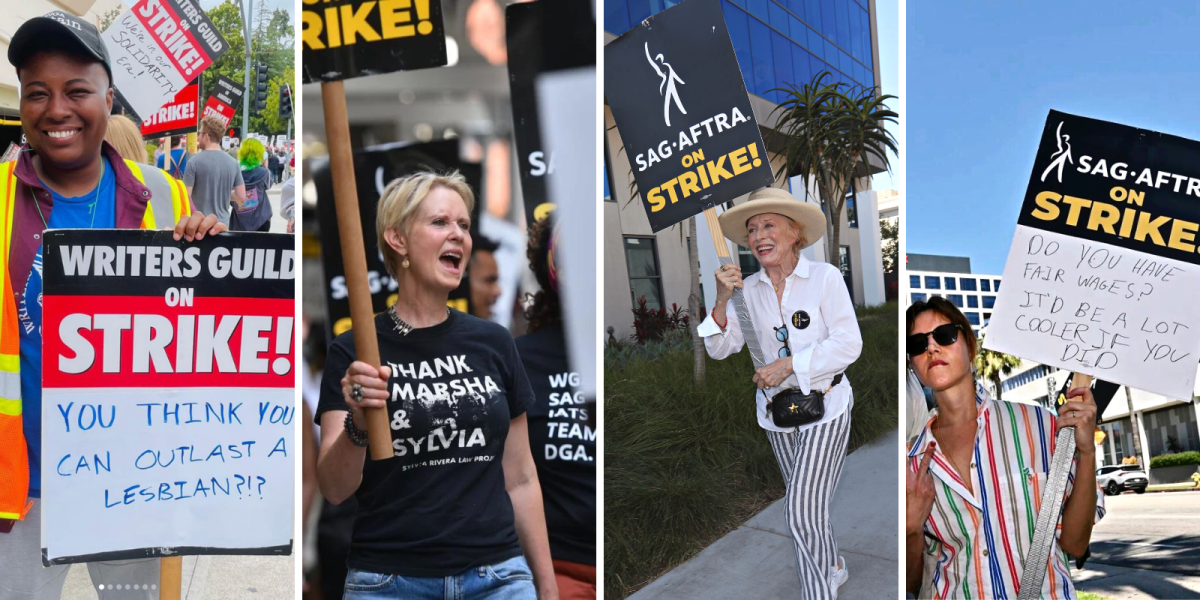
[{"x": 213, "y": 178}]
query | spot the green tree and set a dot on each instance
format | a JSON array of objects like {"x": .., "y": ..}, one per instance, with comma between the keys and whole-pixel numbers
[
  {"x": 109, "y": 17},
  {"x": 828, "y": 129},
  {"x": 993, "y": 366},
  {"x": 889, "y": 231}
]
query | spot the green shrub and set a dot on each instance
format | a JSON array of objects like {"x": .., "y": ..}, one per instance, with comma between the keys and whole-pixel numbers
[
  {"x": 684, "y": 466},
  {"x": 1175, "y": 460}
]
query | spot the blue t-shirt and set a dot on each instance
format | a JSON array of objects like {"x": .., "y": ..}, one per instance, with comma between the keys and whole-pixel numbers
[
  {"x": 179, "y": 158},
  {"x": 68, "y": 213}
]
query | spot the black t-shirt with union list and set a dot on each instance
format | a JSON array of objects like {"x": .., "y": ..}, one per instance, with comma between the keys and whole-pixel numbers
[
  {"x": 438, "y": 506},
  {"x": 562, "y": 437}
]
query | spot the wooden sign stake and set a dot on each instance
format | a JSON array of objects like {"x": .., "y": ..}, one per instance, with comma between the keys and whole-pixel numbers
[
  {"x": 170, "y": 577},
  {"x": 354, "y": 256}
]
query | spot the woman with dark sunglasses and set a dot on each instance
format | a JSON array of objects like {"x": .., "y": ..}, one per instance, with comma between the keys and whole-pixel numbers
[
  {"x": 805, "y": 324},
  {"x": 977, "y": 470}
]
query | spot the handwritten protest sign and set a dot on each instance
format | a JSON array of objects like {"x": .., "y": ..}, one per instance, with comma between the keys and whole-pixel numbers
[
  {"x": 168, "y": 400},
  {"x": 224, "y": 100},
  {"x": 344, "y": 39},
  {"x": 1104, "y": 270},
  {"x": 156, "y": 48},
  {"x": 678, "y": 97},
  {"x": 178, "y": 117}
]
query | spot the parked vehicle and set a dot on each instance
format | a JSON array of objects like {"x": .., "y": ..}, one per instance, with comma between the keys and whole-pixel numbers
[{"x": 1120, "y": 478}]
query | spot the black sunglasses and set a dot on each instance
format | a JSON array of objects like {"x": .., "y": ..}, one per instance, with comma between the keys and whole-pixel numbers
[{"x": 944, "y": 335}]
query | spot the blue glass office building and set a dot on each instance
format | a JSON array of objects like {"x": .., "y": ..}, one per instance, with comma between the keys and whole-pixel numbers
[{"x": 781, "y": 41}]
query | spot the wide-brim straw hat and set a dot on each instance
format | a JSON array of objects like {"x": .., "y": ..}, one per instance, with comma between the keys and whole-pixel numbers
[{"x": 777, "y": 201}]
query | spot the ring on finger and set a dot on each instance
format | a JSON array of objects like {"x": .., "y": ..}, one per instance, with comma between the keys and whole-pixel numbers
[{"x": 356, "y": 392}]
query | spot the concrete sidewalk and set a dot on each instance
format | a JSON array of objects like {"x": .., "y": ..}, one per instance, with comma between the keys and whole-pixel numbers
[
  {"x": 1120, "y": 583},
  {"x": 757, "y": 560},
  {"x": 211, "y": 578}
]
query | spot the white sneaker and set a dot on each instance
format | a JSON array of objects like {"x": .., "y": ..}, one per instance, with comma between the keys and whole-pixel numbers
[{"x": 839, "y": 577}]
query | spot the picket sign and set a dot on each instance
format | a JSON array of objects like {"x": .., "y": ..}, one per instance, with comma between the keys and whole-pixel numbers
[
  {"x": 331, "y": 55},
  {"x": 1102, "y": 274}
]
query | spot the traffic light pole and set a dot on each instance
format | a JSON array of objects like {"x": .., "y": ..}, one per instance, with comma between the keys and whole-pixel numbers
[{"x": 248, "y": 13}]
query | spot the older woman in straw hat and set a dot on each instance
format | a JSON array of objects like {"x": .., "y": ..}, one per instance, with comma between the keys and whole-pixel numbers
[{"x": 804, "y": 320}]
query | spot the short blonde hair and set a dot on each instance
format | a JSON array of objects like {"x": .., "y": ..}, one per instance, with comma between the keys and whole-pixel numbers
[
  {"x": 402, "y": 197},
  {"x": 126, "y": 137}
]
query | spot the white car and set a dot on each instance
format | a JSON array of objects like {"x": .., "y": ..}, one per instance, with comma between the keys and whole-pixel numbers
[{"x": 1119, "y": 478}]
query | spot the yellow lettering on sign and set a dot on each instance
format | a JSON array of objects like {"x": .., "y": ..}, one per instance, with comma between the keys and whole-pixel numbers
[
  {"x": 352, "y": 23},
  {"x": 391, "y": 14},
  {"x": 738, "y": 161}
]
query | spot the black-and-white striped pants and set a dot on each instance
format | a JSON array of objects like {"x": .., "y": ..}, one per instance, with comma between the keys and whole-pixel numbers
[{"x": 811, "y": 461}]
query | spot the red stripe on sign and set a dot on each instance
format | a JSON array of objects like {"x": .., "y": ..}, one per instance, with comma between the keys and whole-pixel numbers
[
  {"x": 219, "y": 109},
  {"x": 174, "y": 36},
  {"x": 140, "y": 341}
]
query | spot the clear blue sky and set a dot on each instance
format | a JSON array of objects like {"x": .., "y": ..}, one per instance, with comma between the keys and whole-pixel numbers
[
  {"x": 887, "y": 14},
  {"x": 981, "y": 78}
]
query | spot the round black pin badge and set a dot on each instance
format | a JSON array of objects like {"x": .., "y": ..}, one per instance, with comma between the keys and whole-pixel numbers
[{"x": 800, "y": 319}]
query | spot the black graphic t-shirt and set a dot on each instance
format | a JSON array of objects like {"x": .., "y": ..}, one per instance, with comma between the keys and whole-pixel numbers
[
  {"x": 438, "y": 506},
  {"x": 562, "y": 437}
]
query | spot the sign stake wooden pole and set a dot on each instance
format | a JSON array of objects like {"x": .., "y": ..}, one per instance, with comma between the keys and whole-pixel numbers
[
  {"x": 354, "y": 256},
  {"x": 170, "y": 577}
]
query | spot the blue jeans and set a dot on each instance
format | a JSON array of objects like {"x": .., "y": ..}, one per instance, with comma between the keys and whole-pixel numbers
[{"x": 509, "y": 580}]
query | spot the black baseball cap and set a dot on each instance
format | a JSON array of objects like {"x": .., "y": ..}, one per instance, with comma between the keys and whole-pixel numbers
[{"x": 58, "y": 31}]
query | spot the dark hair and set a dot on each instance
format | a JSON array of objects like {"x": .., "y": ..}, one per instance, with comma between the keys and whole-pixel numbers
[
  {"x": 544, "y": 310},
  {"x": 482, "y": 243},
  {"x": 947, "y": 309}
]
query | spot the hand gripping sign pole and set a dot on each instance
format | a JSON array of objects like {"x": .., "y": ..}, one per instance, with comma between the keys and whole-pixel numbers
[
  {"x": 333, "y": 52},
  {"x": 354, "y": 255},
  {"x": 739, "y": 301},
  {"x": 1038, "y": 557}
]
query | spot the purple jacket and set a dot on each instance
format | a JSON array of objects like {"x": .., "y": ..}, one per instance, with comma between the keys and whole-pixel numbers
[{"x": 131, "y": 201}]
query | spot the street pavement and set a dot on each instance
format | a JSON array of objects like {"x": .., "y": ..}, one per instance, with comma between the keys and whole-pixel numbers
[
  {"x": 212, "y": 578},
  {"x": 757, "y": 560},
  {"x": 1147, "y": 546}
]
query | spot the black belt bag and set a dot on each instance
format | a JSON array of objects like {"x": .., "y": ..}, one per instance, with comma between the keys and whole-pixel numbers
[{"x": 792, "y": 407}]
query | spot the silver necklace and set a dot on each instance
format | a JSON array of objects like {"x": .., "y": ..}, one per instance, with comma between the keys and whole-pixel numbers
[
  {"x": 402, "y": 327},
  {"x": 92, "y": 206}
]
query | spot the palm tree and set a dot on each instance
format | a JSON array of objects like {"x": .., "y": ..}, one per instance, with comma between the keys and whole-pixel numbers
[
  {"x": 992, "y": 366},
  {"x": 827, "y": 129}
]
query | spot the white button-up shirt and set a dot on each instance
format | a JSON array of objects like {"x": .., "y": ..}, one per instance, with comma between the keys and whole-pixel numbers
[{"x": 827, "y": 344}]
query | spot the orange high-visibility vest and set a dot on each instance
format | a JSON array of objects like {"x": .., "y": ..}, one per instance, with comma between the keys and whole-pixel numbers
[{"x": 14, "y": 457}]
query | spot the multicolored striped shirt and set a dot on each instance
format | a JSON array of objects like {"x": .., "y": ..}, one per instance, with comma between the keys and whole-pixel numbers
[{"x": 976, "y": 540}]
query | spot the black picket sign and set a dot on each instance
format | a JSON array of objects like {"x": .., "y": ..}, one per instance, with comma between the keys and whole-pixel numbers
[
  {"x": 535, "y": 49},
  {"x": 374, "y": 168},
  {"x": 1111, "y": 183},
  {"x": 681, "y": 106},
  {"x": 344, "y": 39},
  {"x": 228, "y": 91}
]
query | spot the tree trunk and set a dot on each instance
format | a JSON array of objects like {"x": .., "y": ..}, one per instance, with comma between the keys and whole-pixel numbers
[
  {"x": 694, "y": 316},
  {"x": 1137, "y": 436}
]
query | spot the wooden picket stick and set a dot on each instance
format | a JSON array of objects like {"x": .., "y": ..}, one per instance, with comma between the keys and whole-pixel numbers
[
  {"x": 170, "y": 577},
  {"x": 354, "y": 256},
  {"x": 714, "y": 229}
]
